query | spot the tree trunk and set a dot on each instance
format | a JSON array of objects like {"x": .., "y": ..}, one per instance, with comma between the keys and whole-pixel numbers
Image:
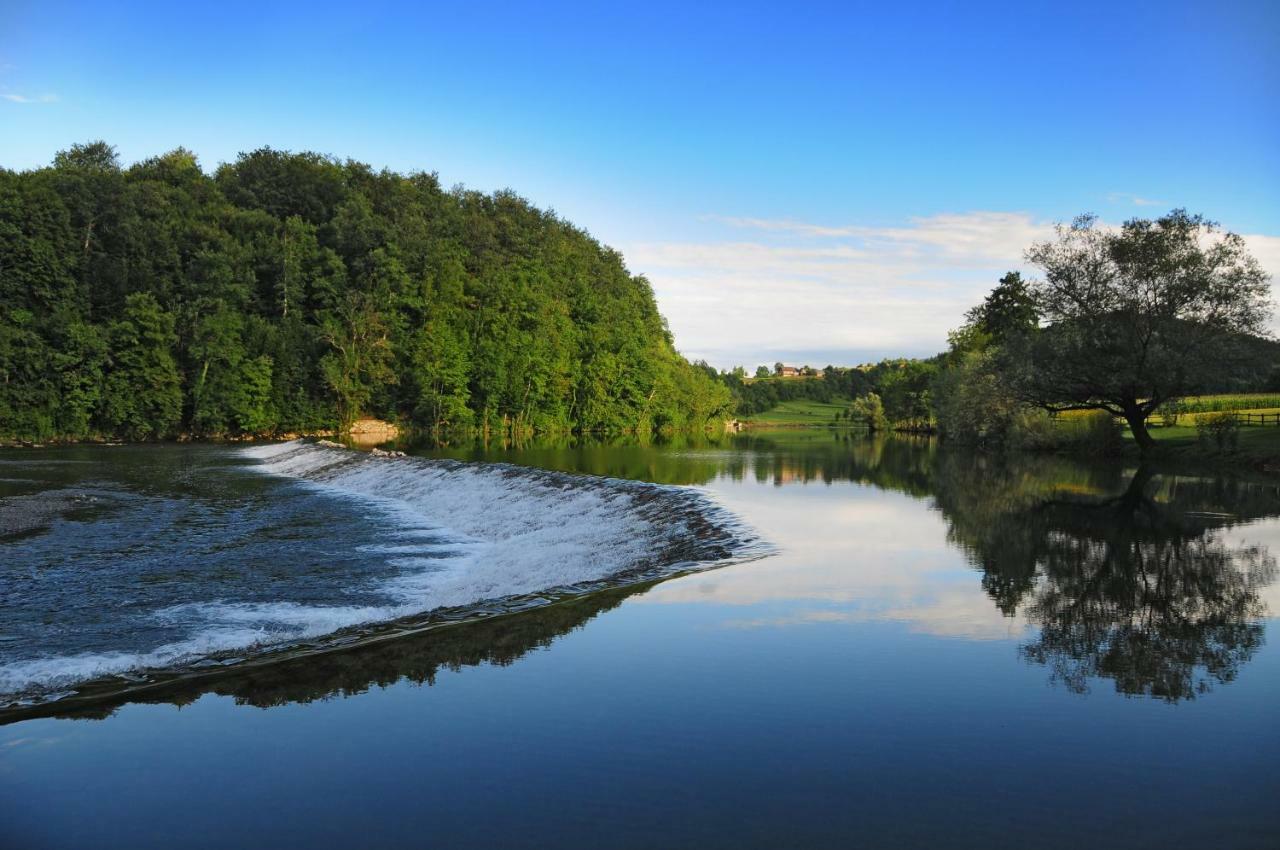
[{"x": 1137, "y": 420}]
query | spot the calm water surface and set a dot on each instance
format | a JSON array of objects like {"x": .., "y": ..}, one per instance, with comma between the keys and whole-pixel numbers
[{"x": 865, "y": 643}]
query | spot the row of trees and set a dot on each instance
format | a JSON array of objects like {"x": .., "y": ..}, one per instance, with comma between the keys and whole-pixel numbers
[
  {"x": 765, "y": 392},
  {"x": 293, "y": 291}
]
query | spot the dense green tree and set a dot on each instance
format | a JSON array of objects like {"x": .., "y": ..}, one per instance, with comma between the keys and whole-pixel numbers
[
  {"x": 907, "y": 394},
  {"x": 1139, "y": 316},
  {"x": 142, "y": 396},
  {"x": 295, "y": 291},
  {"x": 1008, "y": 311}
]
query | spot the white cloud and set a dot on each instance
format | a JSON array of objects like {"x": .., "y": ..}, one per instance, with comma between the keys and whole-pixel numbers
[
  {"x": 793, "y": 287},
  {"x": 783, "y": 289},
  {"x": 859, "y": 556},
  {"x": 1136, "y": 200},
  {"x": 22, "y": 98}
]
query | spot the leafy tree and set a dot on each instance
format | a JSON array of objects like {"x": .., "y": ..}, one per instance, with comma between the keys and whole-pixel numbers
[
  {"x": 142, "y": 397},
  {"x": 361, "y": 355},
  {"x": 907, "y": 393},
  {"x": 1137, "y": 317},
  {"x": 763, "y": 372},
  {"x": 869, "y": 410},
  {"x": 1008, "y": 311},
  {"x": 294, "y": 291},
  {"x": 973, "y": 401}
]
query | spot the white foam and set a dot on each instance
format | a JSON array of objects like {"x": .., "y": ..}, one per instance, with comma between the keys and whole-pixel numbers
[
  {"x": 487, "y": 532},
  {"x": 520, "y": 531}
]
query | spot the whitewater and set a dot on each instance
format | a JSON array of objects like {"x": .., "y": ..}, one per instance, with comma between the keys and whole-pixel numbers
[{"x": 428, "y": 535}]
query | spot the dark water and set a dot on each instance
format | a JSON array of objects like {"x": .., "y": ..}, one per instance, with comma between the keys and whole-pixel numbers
[{"x": 943, "y": 649}]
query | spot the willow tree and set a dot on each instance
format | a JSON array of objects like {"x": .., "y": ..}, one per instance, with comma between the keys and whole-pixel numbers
[{"x": 1138, "y": 316}]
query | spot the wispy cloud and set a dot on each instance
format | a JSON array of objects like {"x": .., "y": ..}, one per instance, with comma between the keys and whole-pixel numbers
[
  {"x": 785, "y": 289},
  {"x": 790, "y": 289},
  {"x": 1135, "y": 200},
  {"x": 22, "y": 98}
]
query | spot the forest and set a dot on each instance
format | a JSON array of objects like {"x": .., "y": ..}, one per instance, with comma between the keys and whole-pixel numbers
[{"x": 291, "y": 292}]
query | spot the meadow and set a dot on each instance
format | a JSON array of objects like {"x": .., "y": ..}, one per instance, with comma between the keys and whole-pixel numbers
[{"x": 799, "y": 412}]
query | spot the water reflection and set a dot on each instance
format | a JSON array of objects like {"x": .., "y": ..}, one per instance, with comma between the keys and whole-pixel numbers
[
  {"x": 1139, "y": 586},
  {"x": 1124, "y": 575},
  {"x": 417, "y": 658},
  {"x": 1149, "y": 580}
]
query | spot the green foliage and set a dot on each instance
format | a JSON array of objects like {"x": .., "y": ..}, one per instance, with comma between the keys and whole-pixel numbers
[
  {"x": 294, "y": 291},
  {"x": 907, "y": 394},
  {"x": 1219, "y": 430},
  {"x": 142, "y": 397},
  {"x": 1096, "y": 433},
  {"x": 1009, "y": 310},
  {"x": 765, "y": 392},
  {"x": 1138, "y": 316},
  {"x": 972, "y": 401},
  {"x": 1138, "y": 320},
  {"x": 869, "y": 411},
  {"x": 1234, "y": 401},
  {"x": 1170, "y": 411}
]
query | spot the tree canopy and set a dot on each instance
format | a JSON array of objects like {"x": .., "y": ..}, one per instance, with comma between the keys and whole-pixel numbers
[
  {"x": 291, "y": 291},
  {"x": 1138, "y": 316}
]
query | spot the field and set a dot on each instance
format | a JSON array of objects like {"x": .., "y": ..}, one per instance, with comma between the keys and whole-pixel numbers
[
  {"x": 1188, "y": 410},
  {"x": 800, "y": 412},
  {"x": 1257, "y": 447}
]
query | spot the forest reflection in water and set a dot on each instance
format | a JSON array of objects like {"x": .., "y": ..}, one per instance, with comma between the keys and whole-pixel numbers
[{"x": 1132, "y": 576}]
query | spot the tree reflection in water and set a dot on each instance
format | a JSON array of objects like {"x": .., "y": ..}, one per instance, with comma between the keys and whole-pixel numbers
[
  {"x": 1131, "y": 577},
  {"x": 1127, "y": 575},
  {"x": 1140, "y": 587}
]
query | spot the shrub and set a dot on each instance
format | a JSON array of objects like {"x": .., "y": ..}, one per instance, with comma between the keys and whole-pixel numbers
[
  {"x": 1096, "y": 433},
  {"x": 1170, "y": 411},
  {"x": 1220, "y": 430},
  {"x": 1100, "y": 434},
  {"x": 1035, "y": 431},
  {"x": 869, "y": 410},
  {"x": 973, "y": 402}
]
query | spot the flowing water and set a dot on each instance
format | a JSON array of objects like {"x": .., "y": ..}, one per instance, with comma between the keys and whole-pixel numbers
[{"x": 804, "y": 638}]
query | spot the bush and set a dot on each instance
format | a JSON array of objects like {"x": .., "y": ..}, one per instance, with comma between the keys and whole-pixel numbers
[
  {"x": 869, "y": 410},
  {"x": 1033, "y": 430},
  {"x": 972, "y": 402},
  {"x": 1219, "y": 430},
  {"x": 1098, "y": 433},
  {"x": 1170, "y": 411}
]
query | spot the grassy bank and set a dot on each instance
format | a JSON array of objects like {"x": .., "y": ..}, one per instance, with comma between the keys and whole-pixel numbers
[
  {"x": 800, "y": 412},
  {"x": 1258, "y": 448}
]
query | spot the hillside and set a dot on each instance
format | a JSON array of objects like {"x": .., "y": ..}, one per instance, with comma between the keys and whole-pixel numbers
[{"x": 293, "y": 291}]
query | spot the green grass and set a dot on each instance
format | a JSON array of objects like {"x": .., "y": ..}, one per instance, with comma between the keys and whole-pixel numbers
[
  {"x": 1193, "y": 407},
  {"x": 1258, "y": 447},
  {"x": 801, "y": 412}
]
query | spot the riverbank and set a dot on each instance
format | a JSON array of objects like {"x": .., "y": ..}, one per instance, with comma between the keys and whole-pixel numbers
[{"x": 1257, "y": 450}]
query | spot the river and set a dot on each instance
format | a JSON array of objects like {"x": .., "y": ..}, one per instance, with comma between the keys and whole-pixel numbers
[{"x": 792, "y": 638}]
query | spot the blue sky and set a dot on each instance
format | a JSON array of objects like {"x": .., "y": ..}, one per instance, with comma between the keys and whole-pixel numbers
[{"x": 826, "y": 184}]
